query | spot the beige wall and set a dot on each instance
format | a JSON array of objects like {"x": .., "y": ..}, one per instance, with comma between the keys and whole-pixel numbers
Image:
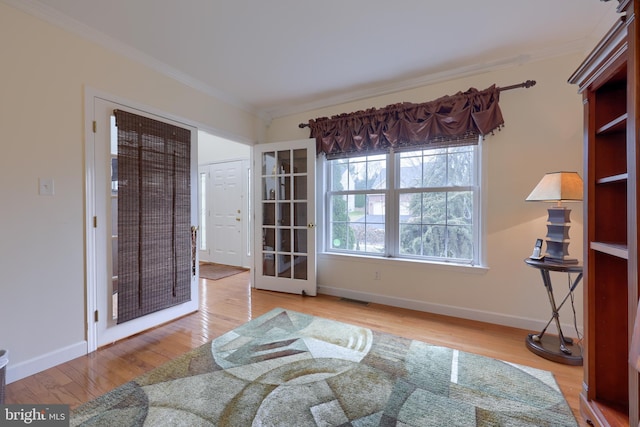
[
  {"x": 212, "y": 149},
  {"x": 542, "y": 133},
  {"x": 44, "y": 73}
]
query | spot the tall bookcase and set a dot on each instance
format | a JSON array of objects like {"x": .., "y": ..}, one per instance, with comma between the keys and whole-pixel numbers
[{"x": 609, "y": 83}]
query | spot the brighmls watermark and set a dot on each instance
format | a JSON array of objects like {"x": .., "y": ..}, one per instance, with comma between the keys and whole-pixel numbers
[{"x": 34, "y": 415}]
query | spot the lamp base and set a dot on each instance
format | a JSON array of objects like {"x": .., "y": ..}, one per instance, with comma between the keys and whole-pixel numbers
[
  {"x": 548, "y": 347},
  {"x": 557, "y": 240}
]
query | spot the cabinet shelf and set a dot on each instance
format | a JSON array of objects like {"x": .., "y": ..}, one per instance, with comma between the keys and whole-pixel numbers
[
  {"x": 619, "y": 124},
  {"x": 622, "y": 177},
  {"x": 613, "y": 249}
]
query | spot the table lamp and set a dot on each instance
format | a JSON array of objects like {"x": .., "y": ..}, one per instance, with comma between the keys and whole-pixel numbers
[{"x": 558, "y": 187}]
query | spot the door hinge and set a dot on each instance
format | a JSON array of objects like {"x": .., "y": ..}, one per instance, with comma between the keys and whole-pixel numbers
[
  {"x": 95, "y": 222},
  {"x": 95, "y": 126},
  {"x": 95, "y": 316}
]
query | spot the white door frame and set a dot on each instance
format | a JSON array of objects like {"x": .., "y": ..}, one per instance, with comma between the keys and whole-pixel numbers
[
  {"x": 244, "y": 258},
  {"x": 205, "y": 254},
  {"x": 95, "y": 258}
]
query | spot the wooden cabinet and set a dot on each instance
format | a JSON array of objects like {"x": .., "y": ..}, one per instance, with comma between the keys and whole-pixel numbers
[{"x": 608, "y": 82}]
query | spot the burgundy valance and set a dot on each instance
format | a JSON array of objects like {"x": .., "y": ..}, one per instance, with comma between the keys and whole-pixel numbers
[{"x": 449, "y": 120}]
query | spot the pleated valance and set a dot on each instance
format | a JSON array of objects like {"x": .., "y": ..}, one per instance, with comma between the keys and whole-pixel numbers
[{"x": 449, "y": 120}]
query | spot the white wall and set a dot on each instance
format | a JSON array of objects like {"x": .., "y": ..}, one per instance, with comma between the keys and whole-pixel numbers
[
  {"x": 542, "y": 133},
  {"x": 44, "y": 72}
]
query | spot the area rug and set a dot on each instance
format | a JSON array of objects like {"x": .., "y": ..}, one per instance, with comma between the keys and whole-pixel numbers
[
  {"x": 213, "y": 271},
  {"x": 292, "y": 369}
]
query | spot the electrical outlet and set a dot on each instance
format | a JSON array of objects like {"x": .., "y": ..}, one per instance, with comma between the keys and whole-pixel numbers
[{"x": 376, "y": 275}]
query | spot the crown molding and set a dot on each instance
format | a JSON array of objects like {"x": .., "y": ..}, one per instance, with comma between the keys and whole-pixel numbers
[
  {"x": 583, "y": 46},
  {"x": 577, "y": 46},
  {"x": 425, "y": 80},
  {"x": 50, "y": 15},
  {"x": 398, "y": 86}
]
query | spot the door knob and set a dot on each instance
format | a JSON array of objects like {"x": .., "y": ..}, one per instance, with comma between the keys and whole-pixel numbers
[{"x": 311, "y": 225}]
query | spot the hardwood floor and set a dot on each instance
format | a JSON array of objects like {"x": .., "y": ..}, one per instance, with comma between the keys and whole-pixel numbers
[{"x": 230, "y": 302}]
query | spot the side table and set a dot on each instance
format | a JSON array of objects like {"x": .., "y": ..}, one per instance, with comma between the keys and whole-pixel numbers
[{"x": 555, "y": 348}]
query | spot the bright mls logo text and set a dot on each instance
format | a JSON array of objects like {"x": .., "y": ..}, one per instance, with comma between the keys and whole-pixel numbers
[{"x": 49, "y": 415}]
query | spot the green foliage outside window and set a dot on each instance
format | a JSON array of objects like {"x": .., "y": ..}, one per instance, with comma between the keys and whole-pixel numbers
[{"x": 342, "y": 236}]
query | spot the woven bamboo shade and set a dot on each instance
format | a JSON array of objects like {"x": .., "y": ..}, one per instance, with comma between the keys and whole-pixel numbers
[{"x": 154, "y": 202}]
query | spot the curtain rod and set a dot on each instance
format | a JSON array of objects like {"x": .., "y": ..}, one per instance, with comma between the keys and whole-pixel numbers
[{"x": 526, "y": 85}]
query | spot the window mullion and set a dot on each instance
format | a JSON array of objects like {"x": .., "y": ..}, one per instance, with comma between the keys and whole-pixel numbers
[
  {"x": 478, "y": 255},
  {"x": 392, "y": 224}
]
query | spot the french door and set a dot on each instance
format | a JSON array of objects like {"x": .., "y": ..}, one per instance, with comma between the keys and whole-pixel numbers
[{"x": 284, "y": 200}]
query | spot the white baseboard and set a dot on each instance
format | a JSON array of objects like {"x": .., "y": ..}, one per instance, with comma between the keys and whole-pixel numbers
[
  {"x": 532, "y": 325},
  {"x": 38, "y": 364}
]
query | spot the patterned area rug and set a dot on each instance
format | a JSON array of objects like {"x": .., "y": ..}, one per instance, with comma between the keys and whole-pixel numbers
[
  {"x": 292, "y": 369},
  {"x": 213, "y": 271}
]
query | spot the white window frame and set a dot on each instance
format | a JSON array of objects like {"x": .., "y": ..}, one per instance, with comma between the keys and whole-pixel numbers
[
  {"x": 392, "y": 201},
  {"x": 354, "y": 192}
]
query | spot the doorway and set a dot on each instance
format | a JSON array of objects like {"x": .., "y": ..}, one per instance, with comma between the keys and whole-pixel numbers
[
  {"x": 224, "y": 202},
  {"x": 223, "y": 218}
]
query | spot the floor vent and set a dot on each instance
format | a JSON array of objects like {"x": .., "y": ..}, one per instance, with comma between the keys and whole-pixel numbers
[{"x": 354, "y": 301}]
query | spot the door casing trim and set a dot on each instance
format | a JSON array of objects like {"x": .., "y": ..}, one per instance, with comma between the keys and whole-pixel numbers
[{"x": 91, "y": 261}]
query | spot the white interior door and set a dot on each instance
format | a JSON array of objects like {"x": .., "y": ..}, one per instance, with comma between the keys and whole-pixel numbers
[
  {"x": 227, "y": 212},
  {"x": 224, "y": 229},
  {"x": 102, "y": 235},
  {"x": 284, "y": 189}
]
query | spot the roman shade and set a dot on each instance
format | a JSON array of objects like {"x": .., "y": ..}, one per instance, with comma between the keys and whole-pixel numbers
[{"x": 154, "y": 202}]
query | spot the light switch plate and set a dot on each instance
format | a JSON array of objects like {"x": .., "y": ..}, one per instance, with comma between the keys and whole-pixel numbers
[{"x": 45, "y": 186}]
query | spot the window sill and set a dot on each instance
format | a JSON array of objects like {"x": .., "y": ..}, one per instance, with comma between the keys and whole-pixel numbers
[{"x": 367, "y": 259}]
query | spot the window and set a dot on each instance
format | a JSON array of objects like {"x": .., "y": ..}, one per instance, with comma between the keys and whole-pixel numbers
[
  {"x": 420, "y": 204},
  {"x": 357, "y": 204}
]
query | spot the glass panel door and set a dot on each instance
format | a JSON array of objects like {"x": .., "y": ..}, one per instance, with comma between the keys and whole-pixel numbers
[{"x": 285, "y": 232}]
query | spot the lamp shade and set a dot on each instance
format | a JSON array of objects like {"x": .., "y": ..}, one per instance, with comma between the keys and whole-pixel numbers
[{"x": 558, "y": 187}]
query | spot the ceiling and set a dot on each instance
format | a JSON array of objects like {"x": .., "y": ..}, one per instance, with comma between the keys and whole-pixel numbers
[{"x": 279, "y": 57}]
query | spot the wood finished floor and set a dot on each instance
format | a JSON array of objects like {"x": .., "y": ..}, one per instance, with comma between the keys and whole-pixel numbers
[{"x": 230, "y": 302}]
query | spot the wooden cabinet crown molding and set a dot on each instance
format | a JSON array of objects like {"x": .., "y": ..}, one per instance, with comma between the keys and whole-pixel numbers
[{"x": 612, "y": 47}]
